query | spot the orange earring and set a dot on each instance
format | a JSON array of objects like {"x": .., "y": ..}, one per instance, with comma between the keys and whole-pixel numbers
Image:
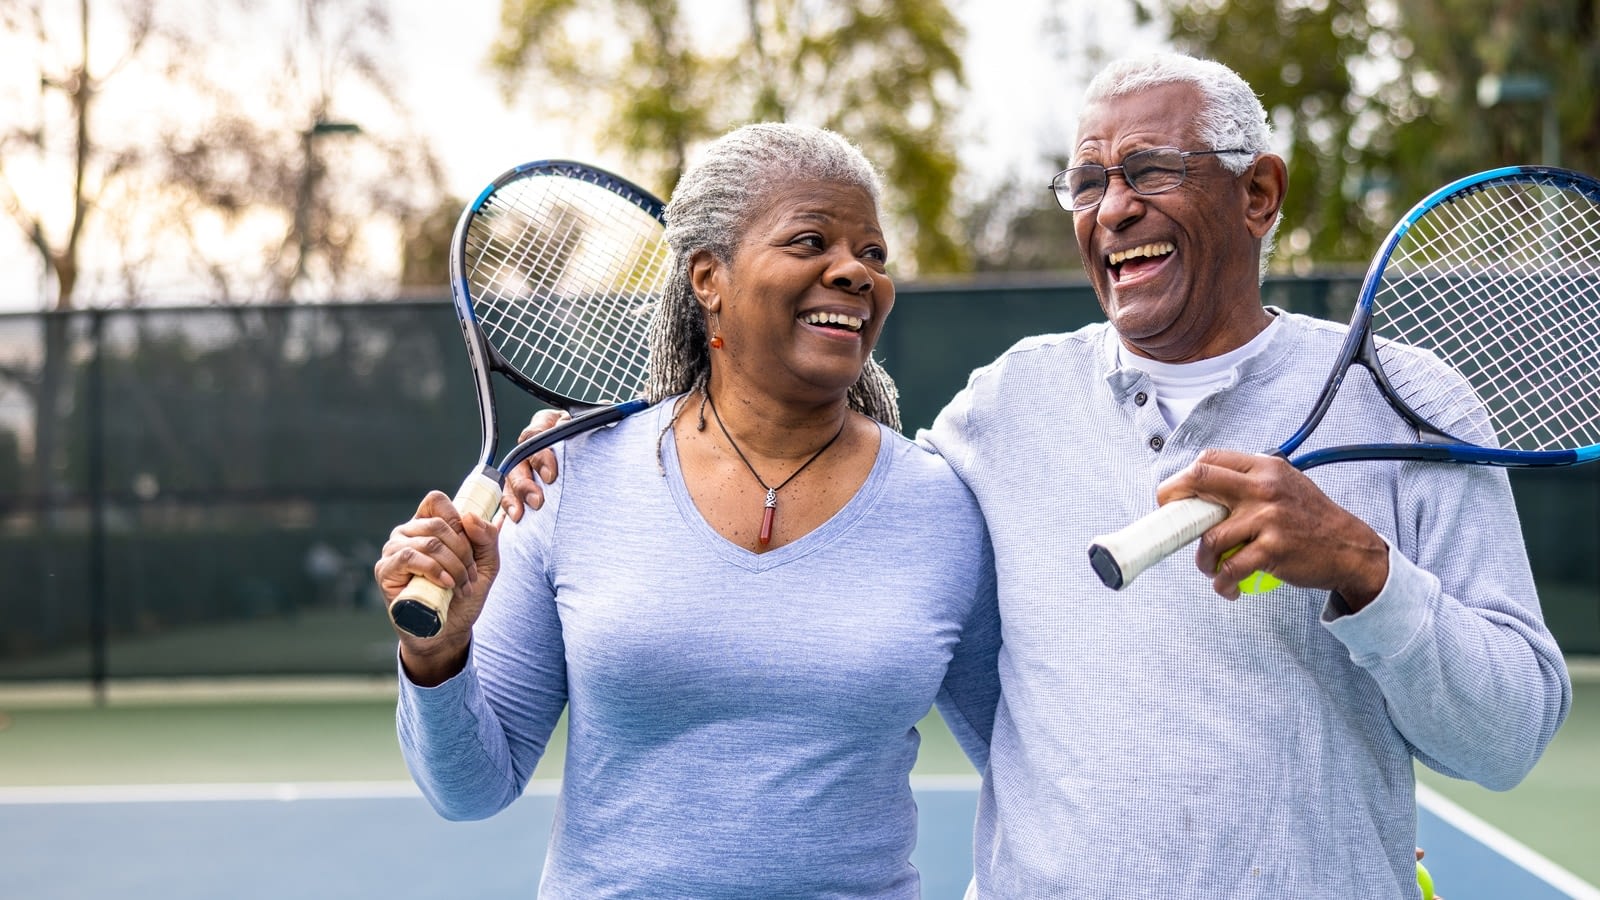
[{"x": 716, "y": 336}]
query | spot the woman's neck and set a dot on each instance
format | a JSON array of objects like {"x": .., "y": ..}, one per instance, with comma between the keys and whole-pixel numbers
[{"x": 767, "y": 427}]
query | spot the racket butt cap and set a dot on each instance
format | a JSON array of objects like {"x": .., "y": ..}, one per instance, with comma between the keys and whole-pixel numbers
[
  {"x": 1105, "y": 565},
  {"x": 415, "y": 618}
]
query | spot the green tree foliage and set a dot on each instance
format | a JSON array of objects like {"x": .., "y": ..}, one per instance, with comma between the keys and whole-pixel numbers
[
  {"x": 1300, "y": 59},
  {"x": 886, "y": 74},
  {"x": 1378, "y": 103},
  {"x": 1018, "y": 226}
]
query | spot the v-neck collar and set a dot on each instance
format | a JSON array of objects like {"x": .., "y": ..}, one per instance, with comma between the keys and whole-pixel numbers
[{"x": 835, "y": 526}]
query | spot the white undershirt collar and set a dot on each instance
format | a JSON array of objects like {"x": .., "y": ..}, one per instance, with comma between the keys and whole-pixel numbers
[{"x": 1179, "y": 387}]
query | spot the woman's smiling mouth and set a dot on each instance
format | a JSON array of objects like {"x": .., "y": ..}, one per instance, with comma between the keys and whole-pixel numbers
[{"x": 841, "y": 321}]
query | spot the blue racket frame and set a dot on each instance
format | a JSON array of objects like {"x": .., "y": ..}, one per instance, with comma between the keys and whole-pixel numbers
[{"x": 1359, "y": 347}]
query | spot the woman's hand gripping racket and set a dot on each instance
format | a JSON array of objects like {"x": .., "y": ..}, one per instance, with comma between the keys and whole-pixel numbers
[
  {"x": 555, "y": 270},
  {"x": 1498, "y": 275}
]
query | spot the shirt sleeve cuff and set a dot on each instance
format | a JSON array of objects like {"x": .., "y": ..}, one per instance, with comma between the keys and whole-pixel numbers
[
  {"x": 451, "y": 692},
  {"x": 1392, "y": 620}
]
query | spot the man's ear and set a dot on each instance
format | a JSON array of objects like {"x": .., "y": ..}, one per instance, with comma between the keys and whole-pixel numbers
[
  {"x": 1267, "y": 183},
  {"x": 705, "y": 272}
]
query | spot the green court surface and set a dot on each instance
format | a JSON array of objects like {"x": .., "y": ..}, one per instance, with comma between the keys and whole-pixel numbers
[{"x": 343, "y": 731}]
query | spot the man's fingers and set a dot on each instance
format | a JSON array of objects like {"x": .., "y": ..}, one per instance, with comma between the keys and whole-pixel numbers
[
  {"x": 542, "y": 421},
  {"x": 545, "y": 465},
  {"x": 524, "y": 484}
]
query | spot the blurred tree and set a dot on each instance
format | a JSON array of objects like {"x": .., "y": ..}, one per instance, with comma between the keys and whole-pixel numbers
[
  {"x": 1016, "y": 225},
  {"x": 425, "y": 250},
  {"x": 10, "y": 465},
  {"x": 330, "y": 201},
  {"x": 1303, "y": 60},
  {"x": 1378, "y": 105},
  {"x": 63, "y": 74},
  {"x": 140, "y": 154},
  {"x": 886, "y": 74},
  {"x": 1019, "y": 227}
]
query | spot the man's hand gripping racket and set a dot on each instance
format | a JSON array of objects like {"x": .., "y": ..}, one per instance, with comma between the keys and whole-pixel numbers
[
  {"x": 1497, "y": 275},
  {"x": 555, "y": 270}
]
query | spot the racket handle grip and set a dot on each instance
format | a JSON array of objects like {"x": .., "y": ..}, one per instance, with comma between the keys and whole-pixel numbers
[
  {"x": 421, "y": 608},
  {"x": 1119, "y": 557}
]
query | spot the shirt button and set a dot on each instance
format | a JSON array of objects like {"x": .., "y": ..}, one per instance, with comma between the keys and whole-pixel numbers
[
  {"x": 1156, "y": 442},
  {"x": 1140, "y": 398}
]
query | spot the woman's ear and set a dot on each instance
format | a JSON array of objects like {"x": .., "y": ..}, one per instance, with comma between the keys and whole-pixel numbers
[{"x": 705, "y": 275}]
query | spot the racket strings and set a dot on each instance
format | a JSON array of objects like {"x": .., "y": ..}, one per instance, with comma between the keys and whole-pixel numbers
[
  {"x": 561, "y": 308},
  {"x": 1501, "y": 284},
  {"x": 564, "y": 276}
]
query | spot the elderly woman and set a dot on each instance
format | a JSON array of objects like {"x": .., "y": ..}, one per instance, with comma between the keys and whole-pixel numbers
[{"x": 744, "y": 597}]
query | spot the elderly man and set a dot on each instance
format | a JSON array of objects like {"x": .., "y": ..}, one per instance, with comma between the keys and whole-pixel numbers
[{"x": 1160, "y": 741}]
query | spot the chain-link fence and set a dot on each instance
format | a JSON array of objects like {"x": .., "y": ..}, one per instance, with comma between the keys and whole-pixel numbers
[{"x": 202, "y": 492}]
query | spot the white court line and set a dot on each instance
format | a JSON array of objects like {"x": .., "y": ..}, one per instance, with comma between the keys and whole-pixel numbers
[
  {"x": 946, "y": 783},
  {"x": 1506, "y": 845},
  {"x": 192, "y": 793},
  {"x": 313, "y": 790},
  {"x": 205, "y": 793},
  {"x": 1466, "y": 822}
]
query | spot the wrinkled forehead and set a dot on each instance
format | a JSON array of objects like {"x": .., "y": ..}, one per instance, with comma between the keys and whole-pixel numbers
[
  {"x": 790, "y": 200},
  {"x": 1164, "y": 115}
]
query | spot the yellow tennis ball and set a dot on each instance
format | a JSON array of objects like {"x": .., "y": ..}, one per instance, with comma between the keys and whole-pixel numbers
[
  {"x": 1257, "y": 582},
  {"x": 1424, "y": 881}
]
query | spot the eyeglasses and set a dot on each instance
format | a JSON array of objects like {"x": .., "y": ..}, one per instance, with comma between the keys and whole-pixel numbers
[{"x": 1153, "y": 171}]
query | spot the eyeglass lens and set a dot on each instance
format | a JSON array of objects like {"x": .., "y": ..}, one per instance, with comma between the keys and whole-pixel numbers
[{"x": 1147, "y": 172}]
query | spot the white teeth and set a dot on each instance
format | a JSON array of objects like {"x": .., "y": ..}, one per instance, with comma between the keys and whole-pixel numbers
[
  {"x": 850, "y": 323},
  {"x": 1159, "y": 249}
]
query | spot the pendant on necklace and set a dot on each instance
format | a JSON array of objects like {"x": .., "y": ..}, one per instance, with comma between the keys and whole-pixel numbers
[
  {"x": 765, "y": 537},
  {"x": 770, "y": 509}
]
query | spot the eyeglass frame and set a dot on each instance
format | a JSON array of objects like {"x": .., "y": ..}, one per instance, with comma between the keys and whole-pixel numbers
[{"x": 1120, "y": 168}]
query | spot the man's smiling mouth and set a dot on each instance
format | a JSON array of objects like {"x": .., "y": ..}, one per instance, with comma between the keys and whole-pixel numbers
[{"x": 1152, "y": 252}]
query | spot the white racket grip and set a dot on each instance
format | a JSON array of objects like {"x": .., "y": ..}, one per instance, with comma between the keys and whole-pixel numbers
[
  {"x": 422, "y": 607},
  {"x": 1119, "y": 557}
]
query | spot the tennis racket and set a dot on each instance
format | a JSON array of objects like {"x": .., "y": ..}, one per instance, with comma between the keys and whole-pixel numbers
[
  {"x": 555, "y": 270},
  {"x": 1498, "y": 276}
]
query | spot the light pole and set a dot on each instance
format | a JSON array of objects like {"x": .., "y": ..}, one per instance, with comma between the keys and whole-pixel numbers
[
  {"x": 310, "y": 174},
  {"x": 1524, "y": 87}
]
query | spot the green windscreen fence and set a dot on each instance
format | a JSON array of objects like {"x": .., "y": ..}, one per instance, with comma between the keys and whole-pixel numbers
[{"x": 203, "y": 491}]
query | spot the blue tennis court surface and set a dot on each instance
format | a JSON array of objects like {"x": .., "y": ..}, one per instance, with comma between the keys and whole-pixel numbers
[
  {"x": 365, "y": 840},
  {"x": 1472, "y": 860}
]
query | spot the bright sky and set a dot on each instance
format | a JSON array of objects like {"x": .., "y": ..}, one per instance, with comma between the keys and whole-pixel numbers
[
  {"x": 1010, "y": 71},
  {"x": 1021, "y": 101}
]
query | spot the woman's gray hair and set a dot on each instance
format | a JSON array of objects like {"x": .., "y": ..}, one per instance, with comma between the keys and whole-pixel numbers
[
  {"x": 714, "y": 203},
  {"x": 1230, "y": 114}
]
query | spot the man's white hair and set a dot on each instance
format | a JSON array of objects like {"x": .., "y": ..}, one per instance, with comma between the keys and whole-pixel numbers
[{"x": 1230, "y": 115}]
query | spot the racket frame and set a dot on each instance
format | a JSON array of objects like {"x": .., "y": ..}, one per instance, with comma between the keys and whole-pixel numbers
[{"x": 421, "y": 608}]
